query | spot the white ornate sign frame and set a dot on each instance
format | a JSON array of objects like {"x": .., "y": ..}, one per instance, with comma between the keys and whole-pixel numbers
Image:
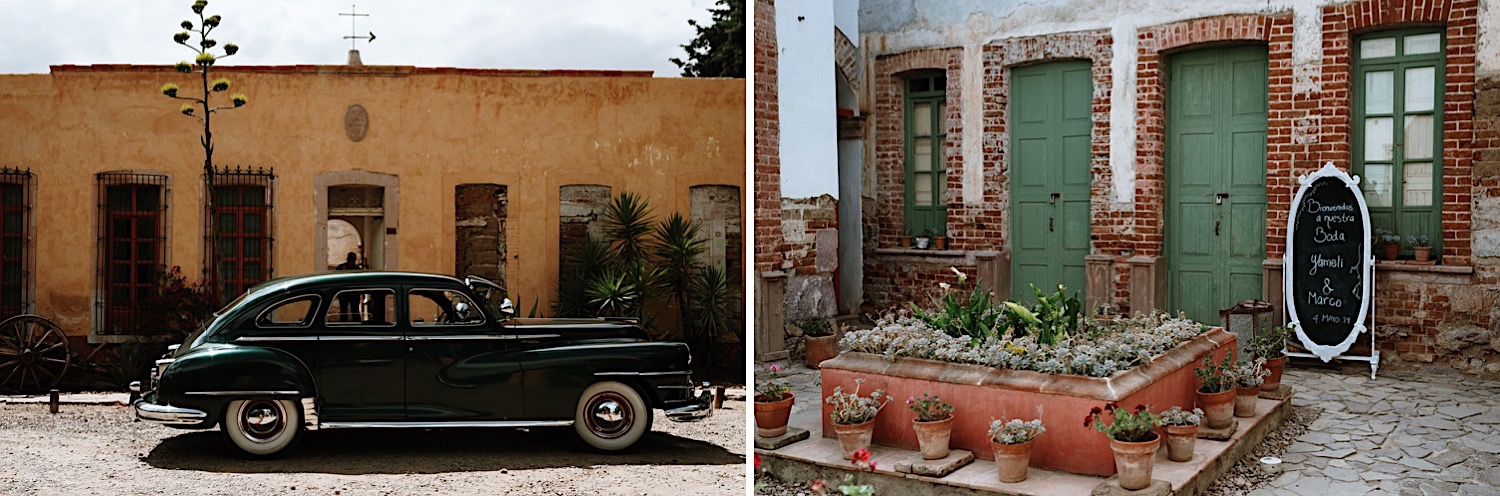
[{"x": 1327, "y": 353}]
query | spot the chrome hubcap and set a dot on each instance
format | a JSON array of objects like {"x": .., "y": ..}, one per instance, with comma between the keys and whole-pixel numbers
[
  {"x": 609, "y": 415},
  {"x": 262, "y": 420}
]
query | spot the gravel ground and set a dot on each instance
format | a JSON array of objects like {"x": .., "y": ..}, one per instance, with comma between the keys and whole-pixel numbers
[
  {"x": 1244, "y": 477},
  {"x": 99, "y": 450}
]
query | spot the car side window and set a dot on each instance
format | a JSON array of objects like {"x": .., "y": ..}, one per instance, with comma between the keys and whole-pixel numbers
[
  {"x": 293, "y": 312},
  {"x": 441, "y": 307},
  {"x": 362, "y": 307}
]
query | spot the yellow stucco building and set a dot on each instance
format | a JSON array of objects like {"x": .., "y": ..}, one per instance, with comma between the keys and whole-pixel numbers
[{"x": 423, "y": 169}]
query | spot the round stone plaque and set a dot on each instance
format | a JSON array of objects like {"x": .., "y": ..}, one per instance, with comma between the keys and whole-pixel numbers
[{"x": 356, "y": 122}]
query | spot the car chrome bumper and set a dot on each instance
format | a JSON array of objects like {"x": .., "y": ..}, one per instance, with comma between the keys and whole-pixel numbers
[
  {"x": 700, "y": 408},
  {"x": 166, "y": 414}
]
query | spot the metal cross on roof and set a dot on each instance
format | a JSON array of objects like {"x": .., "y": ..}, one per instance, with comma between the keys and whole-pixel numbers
[{"x": 353, "y": 18}]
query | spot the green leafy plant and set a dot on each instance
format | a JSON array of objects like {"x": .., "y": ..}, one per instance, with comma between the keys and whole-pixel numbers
[
  {"x": 1178, "y": 416},
  {"x": 929, "y": 408},
  {"x": 851, "y": 408},
  {"x": 1216, "y": 378},
  {"x": 815, "y": 327},
  {"x": 1419, "y": 241},
  {"x": 1269, "y": 344},
  {"x": 1124, "y": 425},
  {"x": 1015, "y": 431},
  {"x": 772, "y": 389},
  {"x": 1384, "y": 236},
  {"x": 958, "y": 314},
  {"x": 1055, "y": 316}
]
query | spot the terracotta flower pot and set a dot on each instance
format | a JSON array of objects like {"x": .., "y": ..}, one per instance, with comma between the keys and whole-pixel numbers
[
  {"x": 1180, "y": 441},
  {"x": 932, "y": 437},
  {"x": 1423, "y": 253},
  {"x": 1218, "y": 408},
  {"x": 854, "y": 437},
  {"x": 771, "y": 416},
  {"x": 1273, "y": 381},
  {"x": 1133, "y": 462},
  {"x": 1012, "y": 460},
  {"x": 941, "y": 242},
  {"x": 820, "y": 348},
  {"x": 1390, "y": 250},
  {"x": 1244, "y": 401}
]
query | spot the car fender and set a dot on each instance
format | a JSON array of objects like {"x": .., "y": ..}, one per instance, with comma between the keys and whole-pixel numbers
[
  {"x": 208, "y": 377},
  {"x": 555, "y": 377}
]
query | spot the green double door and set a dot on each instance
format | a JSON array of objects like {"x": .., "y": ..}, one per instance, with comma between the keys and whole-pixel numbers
[
  {"x": 1051, "y": 126},
  {"x": 1216, "y": 185}
]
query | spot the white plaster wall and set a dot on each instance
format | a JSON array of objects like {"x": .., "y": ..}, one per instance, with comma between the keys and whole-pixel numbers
[
  {"x": 1488, "y": 56},
  {"x": 806, "y": 97}
]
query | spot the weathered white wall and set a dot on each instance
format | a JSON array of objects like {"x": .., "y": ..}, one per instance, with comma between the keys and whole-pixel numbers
[
  {"x": 806, "y": 98},
  {"x": 1488, "y": 56},
  {"x": 894, "y": 26}
]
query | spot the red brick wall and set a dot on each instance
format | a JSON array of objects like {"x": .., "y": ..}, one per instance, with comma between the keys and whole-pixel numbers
[
  {"x": 801, "y": 219},
  {"x": 1153, "y": 42},
  {"x": 767, "y": 142}
]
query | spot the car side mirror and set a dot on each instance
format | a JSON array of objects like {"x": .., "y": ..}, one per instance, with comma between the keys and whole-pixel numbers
[{"x": 508, "y": 309}]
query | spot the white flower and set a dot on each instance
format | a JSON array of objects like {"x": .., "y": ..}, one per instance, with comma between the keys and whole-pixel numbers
[
  {"x": 944, "y": 285},
  {"x": 961, "y": 275}
]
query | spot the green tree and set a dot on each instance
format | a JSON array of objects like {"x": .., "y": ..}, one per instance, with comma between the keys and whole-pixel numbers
[
  {"x": 198, "y": 107},
  {"x": 719, "y": 48}
]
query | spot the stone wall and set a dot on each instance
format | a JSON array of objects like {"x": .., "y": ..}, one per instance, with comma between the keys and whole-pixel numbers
[
  {"x": 580, "y": 215},
  {"x": 479, "y": 213},
  {"x": 809, "y": 228}
]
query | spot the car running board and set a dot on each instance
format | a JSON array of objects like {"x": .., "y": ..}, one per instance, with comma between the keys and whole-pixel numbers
[{"x": 445, "y": 425}]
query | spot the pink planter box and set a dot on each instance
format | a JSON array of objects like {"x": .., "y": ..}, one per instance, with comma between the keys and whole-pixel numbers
[{"x": 980, "y": 394}]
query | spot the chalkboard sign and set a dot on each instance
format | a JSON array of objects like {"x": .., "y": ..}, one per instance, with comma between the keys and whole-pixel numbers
[{"x": 1329, "y": 269}]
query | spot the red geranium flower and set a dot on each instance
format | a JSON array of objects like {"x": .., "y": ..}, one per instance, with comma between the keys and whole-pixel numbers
[
  {"x": 861, "y": 455},
  {"x": 757, "y": 461}
]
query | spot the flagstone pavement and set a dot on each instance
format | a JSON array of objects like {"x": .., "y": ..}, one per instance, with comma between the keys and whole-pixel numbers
[{"x": 1398, "y": 434}]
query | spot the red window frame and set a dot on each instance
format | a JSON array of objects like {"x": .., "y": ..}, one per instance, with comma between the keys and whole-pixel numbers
[
  {"x": 133, "y": 239},
  {"x": 237, "y": 232}
]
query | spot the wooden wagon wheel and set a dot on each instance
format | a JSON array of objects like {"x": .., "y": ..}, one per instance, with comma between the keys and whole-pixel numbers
[{"x": 34, "y": 354}]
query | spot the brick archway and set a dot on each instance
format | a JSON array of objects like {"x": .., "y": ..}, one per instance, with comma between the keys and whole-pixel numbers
[{"x": 846, "y": 58}]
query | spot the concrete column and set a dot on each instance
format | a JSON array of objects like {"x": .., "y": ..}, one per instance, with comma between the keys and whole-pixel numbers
[
  {"x": 1148, "y": 283},
  {"x": 994, "y": 272},
  {"x": 1098, "y": 281}
]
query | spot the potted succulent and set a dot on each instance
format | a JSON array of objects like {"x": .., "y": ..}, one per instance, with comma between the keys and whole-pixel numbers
[
  {"x": 822, "y": 342},
  {"x": 1182, "y": 432},
  {"x": 1389, "y": 243},
  {"x": 934, "y": 425},
  {"x": 1216, "y": 396},
  {"x": 1421, "y": 246},
  {"x": 940, "y": 241},
  {"x": 773, "y": 404},
  {"x": 906, "y": 238},
  {"x": 1270, "y": 345},
  {"x": 854, "y": 416},
  {"x": 1132, "y": 436},
  {"x": 1247, "y": 378},
  {"x": 1012, "y": 444}
]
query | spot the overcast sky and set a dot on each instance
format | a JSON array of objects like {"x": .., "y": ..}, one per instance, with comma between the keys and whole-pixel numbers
[{"x": 510, "y": 34}]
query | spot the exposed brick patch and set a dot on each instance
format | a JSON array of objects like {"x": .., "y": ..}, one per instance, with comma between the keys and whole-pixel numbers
[
  {"x": 479, "y": 235},
  {"x": 846, "y": 58},
  {"x": 801, "y": 219},
  {"x": 767, "y": 142},
  {"x": 580, "y": 215}
]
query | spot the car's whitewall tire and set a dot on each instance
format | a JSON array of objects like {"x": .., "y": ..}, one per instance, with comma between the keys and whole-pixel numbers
[
  {"x": 261, "y": 428},
  {"x": 611, "y": 416}
]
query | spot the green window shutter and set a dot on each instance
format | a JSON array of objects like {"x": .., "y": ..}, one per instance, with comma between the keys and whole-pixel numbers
[
  {"x": 1398, "y": 81},
  {"x": 925, "y": 111}
]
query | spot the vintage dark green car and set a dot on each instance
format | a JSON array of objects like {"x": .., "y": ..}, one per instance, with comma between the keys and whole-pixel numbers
[{"x": 399, "y": 349}]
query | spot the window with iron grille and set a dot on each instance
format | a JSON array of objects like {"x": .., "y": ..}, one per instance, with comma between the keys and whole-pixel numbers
[
  {"x": 15, "y": 242},
  {"x": 240, "y": 239},
  {"x": 132, "y": 246}
]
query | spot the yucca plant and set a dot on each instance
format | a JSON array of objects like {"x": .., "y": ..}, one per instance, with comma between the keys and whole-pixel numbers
[
  {"x": 627, "y": 222},
  {"x": 712, "y": 308}
]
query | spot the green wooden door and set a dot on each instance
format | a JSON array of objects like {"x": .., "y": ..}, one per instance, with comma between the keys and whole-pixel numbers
[
  {"x": 1216, "y": 185},
  {"x": 1051, "y": 119}
]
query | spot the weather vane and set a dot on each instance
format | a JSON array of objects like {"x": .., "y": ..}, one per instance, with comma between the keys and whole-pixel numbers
[{"x": 353, "y": 18}]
